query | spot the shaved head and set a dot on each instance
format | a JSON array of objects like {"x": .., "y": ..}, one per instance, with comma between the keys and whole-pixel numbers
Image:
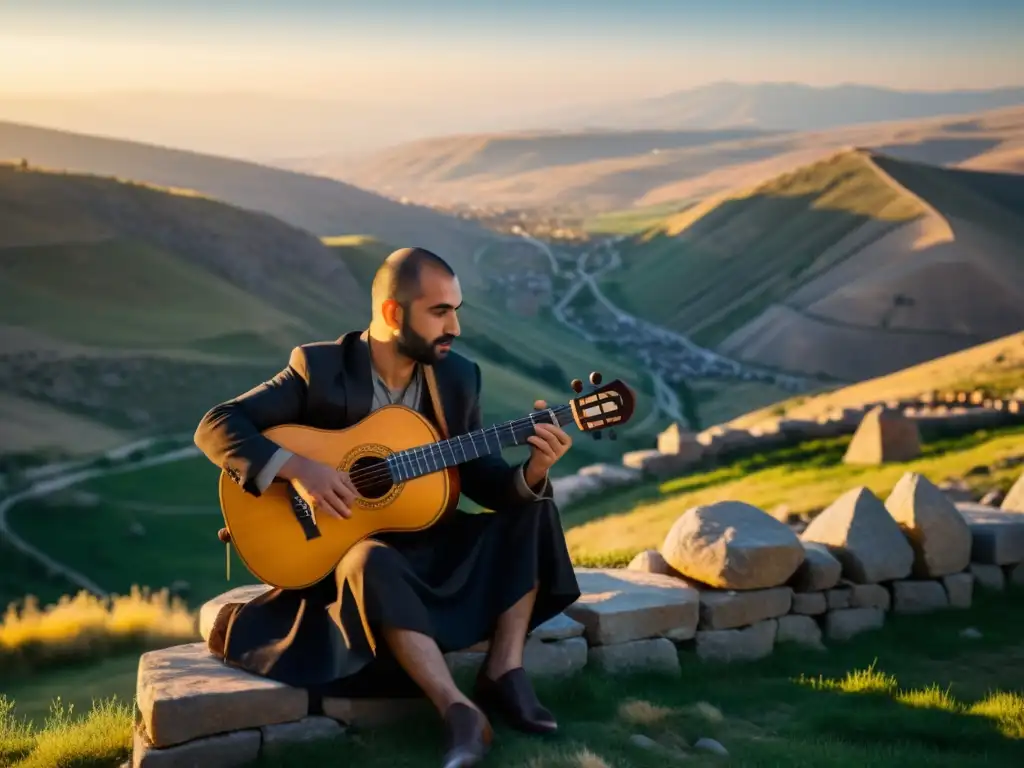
[
  {"x": 398, "y": 277},
  {"x": 416, "y": 297}
]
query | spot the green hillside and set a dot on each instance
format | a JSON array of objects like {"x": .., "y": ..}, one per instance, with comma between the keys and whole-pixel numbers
[
  {"x": 851, "y": 267},
  {"x": 716, "y": 266}
]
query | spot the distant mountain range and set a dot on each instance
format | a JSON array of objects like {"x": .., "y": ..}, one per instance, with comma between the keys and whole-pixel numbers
[{"x": 788, "y": 106}]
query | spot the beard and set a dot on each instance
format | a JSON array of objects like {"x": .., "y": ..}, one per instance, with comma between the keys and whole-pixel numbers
[{"x": 416, "y": 347}]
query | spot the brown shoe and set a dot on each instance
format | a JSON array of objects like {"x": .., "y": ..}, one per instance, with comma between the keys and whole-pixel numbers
[
  {"x": 467, "y": 736},
  {"x": 513, "y": 696}
]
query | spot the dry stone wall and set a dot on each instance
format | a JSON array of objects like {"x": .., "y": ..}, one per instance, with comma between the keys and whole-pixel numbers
[
  {"x": 883, "y": 432},
  {"x": 729, "y": 583}
]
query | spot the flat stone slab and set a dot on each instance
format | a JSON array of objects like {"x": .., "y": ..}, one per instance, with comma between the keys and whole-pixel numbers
[
  {"x": 308, "y": 729},
  {"x": 918, "y": 596},
  {"x": 227, "y": 750},
  {"x": 208, "y": 612},
  {"x": 748, "y": 644},
  {"x": 997, "y": 537},
  {"x": 959, "y": 589},
  {"x": 657, "y": 654},
  {"x": 559, "y": 627},
  {"x": 988, "y": 576},
  {"x": 809, "y": 603},
  {"x": 728, "y": 609},
  {"x": 618, "y": 605},
  {"x": 184, "y": 693},
  {"x": 555, "y": 658}
]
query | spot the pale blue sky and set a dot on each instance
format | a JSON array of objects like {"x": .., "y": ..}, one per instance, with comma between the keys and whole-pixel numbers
[{"x": 541, "y": 50}]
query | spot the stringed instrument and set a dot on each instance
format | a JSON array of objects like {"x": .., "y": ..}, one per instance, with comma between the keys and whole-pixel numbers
[{"x": 406, "y": 475}]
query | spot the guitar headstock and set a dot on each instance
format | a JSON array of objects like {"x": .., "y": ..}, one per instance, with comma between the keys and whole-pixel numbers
[{"x": 602, "y": 408}]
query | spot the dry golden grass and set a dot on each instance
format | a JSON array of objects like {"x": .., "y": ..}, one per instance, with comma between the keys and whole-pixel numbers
[{"x": 86, "y": 627}]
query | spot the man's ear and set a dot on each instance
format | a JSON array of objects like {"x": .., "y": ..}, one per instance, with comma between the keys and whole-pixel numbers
[{"x": 392, "y": 313}]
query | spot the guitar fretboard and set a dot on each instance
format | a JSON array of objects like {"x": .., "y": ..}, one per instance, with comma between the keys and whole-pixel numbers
[{"x": 424, "y": 459}]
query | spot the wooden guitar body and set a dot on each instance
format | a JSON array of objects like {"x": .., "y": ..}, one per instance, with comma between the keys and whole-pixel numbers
[{"x": 285, "y": 546}]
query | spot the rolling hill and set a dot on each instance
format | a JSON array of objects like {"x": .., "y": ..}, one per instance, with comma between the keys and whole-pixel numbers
[
  {"x": 851, "y": 267},
  {"x": 321, "y": 206},
  {"x": 127, "y": 310},
  {"x": 589, "y": 171}
]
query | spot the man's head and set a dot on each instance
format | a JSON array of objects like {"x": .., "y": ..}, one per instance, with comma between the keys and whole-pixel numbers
[{"x": 415, "y": 295}]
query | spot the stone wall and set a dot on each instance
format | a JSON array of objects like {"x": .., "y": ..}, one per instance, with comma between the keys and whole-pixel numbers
[
  {"x": 678, "y": 452},
  {"x": 729, "y": 583}
]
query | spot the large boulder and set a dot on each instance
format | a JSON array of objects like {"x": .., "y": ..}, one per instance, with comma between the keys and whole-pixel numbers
[
  {"x": 935, "y": 529},
  {"x": 860, "y": 532},
  {"x": 884, "y": 436},
  {"x": 732, "y": 545}
]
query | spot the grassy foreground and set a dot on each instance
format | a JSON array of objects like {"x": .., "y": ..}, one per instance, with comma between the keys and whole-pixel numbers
[{"x": 916, "y": 692}]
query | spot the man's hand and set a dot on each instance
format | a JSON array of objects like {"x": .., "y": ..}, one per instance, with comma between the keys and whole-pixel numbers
[
  {"x": 550, "y": 442},
  {"x": 324, "y": 488}
]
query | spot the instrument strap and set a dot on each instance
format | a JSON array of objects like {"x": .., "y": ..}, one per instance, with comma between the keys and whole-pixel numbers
[{"x": 435, "y": 399}]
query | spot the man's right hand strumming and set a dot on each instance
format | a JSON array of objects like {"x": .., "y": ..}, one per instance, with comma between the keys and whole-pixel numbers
[{"x": 323, "y": 487}]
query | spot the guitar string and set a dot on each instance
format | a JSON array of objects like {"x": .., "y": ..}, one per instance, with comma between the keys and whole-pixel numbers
[{"x": 412, "y": 456}]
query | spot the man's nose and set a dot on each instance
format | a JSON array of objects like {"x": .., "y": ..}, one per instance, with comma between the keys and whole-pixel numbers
[{"x": 452, "y": 326}]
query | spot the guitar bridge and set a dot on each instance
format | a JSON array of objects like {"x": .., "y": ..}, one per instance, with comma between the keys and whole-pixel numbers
[{"x": 303, "y": 514}]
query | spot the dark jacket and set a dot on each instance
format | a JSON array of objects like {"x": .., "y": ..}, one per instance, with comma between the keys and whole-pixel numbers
[{"x": 328, "y": 385}]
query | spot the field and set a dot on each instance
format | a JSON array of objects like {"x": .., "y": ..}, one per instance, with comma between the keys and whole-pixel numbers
[{"x": 916, "y": 692}]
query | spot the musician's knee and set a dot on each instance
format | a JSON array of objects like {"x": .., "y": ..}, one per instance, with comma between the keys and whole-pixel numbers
[{"x": 368, "y": 560}]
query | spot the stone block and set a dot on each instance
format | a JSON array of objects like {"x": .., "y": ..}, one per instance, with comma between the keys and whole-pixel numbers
[
  {"x": 747, "y": 644},
  {"x": 209, "y": 610},
  {"x": 366, "y": 713},
  {"x": 308, "y": 729},
  {"x": 846, "y": 623},
  {"x": 226, "y": 750},
  {"x": 838, "y": 597},
  {"x": 559, "y": 627},
  {"x": 918, "y": 596},
  {"x": 802, "y": 630},
  {"x": 870, "y": 596},
  {"x": 809, "y": 603},
  {"x": 727, "y": 609},
  {"x": 657, "y": 654},
  {"x": 997, "y": 537},
  {"x": 184, "y": 693},
  {"x": 988, "y": 576},
  {"x": 959, "y": 589},
  {"x": 619, "y": 605}
]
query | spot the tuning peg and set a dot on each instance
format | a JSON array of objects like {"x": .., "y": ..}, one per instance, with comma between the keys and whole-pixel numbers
[
  {"x": 597, "y": 435},
  {"x": 577, "y": 386},
  {"x": 595, "y": 378}
]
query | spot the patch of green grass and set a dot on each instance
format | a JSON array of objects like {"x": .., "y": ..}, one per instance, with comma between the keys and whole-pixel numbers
[
  {"x": 806, "y": 478},
  {"x": 632, "y": 221}
]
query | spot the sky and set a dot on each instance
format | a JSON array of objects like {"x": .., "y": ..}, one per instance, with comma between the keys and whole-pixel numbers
[{"x": 446, "y": 61}]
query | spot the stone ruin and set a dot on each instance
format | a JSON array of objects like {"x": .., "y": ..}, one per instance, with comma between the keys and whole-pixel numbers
[
  {"x": 728, "y": 583},
  {"x": 884, "y": 436}
]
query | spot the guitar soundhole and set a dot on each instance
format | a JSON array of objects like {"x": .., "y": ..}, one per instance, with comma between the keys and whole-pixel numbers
[{"x": 371, "y": 477}]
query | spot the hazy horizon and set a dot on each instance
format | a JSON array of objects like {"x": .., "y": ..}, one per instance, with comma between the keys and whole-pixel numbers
[{"x": 390, "y": 71}]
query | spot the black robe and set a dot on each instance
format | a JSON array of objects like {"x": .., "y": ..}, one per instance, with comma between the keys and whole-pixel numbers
[{"x": 450, "y": 582}]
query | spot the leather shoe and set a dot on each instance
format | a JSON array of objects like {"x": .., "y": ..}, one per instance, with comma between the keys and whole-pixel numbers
[
  {"x": 513, "y": 696},
  {"x": 467, "y": 736}
]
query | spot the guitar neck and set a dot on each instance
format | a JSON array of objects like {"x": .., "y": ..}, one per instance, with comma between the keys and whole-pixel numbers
[{"x": 432, "y": 457}]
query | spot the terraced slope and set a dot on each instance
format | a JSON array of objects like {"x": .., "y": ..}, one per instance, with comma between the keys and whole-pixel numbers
[{"x": 855, "y": 266}]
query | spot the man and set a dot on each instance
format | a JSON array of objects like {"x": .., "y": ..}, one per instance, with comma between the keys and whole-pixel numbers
[{"x": 398, "y": 601}]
